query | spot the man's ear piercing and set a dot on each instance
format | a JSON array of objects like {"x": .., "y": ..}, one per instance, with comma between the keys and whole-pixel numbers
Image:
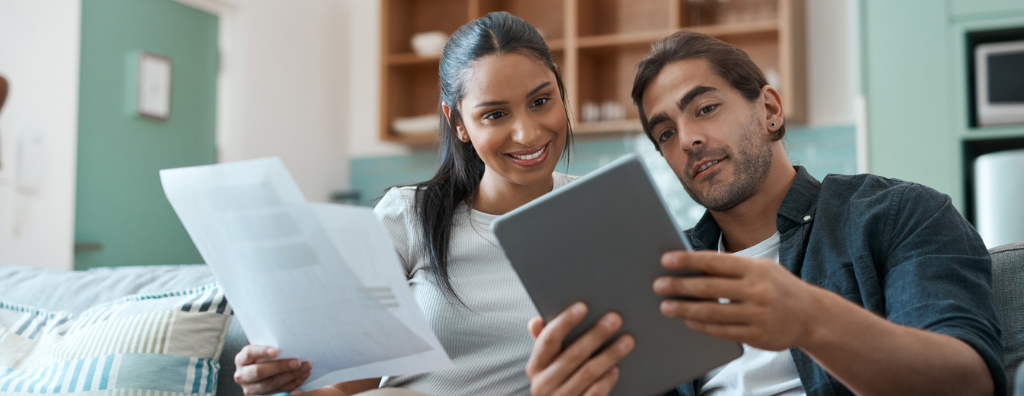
[{"x": 773, "y": 125}]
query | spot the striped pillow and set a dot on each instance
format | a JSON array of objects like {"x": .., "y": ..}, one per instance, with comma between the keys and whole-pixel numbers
[{"x": 157, "y": 344}]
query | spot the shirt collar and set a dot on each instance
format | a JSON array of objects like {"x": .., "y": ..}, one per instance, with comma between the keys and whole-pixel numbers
[{"x": 797, "y": 208}]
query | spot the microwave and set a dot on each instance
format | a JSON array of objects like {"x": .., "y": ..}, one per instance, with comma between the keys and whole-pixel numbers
[{"x": 999, "y": 83}]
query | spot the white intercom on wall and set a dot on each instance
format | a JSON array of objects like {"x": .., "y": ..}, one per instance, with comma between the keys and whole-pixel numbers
[{"x": 29, "y": 170}]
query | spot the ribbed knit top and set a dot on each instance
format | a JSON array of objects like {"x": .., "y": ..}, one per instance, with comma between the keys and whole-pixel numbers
[{"x": 488, "y": 342}]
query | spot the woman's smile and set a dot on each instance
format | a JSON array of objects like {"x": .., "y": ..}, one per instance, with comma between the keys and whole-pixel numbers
[{"x": 532, "y": 157}]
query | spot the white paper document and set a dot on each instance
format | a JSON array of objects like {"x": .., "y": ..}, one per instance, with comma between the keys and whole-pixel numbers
[{"x": 321, "y": 282}]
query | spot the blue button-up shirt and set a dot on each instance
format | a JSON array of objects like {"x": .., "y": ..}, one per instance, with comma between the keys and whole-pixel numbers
[{"x": 898, "y": 249}]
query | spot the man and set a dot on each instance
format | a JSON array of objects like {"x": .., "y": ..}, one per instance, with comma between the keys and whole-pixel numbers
[{"x": 883, "y": 288}]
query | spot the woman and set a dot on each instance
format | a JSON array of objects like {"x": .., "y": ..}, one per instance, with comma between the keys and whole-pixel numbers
[{"x": 504, "y": 124}]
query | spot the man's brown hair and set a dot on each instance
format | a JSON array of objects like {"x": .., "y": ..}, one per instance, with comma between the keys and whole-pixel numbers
[{"x": 727, "y": 61}]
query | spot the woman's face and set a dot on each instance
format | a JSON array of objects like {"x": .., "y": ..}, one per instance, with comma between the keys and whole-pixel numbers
[{"x": 514, "y": 116}]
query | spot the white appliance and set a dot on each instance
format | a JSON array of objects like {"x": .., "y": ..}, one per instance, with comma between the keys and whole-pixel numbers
[
  {"x": 999, "y": 192},
  {"x": 999, "y": 82}
]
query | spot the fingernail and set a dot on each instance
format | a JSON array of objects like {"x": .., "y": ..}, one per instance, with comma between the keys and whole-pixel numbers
[
  {"x": 579, "y": 308},
  {"x": 294, "y": 364},
  {"x": 661, "y": 284},
  {"x": 615, "y": 370},
  {"x": 611, "y": 321},
  {"x": 666, "y": 307},
  {"x": 626, "y": 344}
]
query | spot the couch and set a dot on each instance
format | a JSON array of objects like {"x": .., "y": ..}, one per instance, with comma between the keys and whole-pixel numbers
[
  {"x": 78, "y": 290},
  {"x": 1008, "y": 288}
]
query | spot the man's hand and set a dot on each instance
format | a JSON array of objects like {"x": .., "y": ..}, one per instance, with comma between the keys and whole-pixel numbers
[
  {"x": 576, "y": 370},
  {"x": 769, "y": 308},
  {"x": 259, "y": 374}
]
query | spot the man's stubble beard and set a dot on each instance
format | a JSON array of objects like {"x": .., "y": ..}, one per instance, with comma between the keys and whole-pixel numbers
[{"x": 750, "y": 169}]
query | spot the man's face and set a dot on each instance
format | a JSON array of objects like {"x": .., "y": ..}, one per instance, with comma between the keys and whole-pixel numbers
[{"x": 714, "y": 139}]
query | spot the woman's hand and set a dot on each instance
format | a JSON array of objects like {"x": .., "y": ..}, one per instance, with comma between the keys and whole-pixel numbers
[
  {"x": 259, "y": 373},
  {"x": 576, "y": 370}
]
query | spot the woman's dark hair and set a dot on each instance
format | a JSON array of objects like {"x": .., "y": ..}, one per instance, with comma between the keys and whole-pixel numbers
[
  {"x": 461, "y": 169},
  {"x": 727, "y": 61}
]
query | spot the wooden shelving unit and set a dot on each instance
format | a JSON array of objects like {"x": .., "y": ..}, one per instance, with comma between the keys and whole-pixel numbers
[{"x": 596, "y": 44}]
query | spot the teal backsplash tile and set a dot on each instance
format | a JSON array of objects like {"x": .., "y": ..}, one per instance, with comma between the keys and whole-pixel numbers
[
  {"x": 822, "y": 150},
  {"x": 372, "y": 176}
]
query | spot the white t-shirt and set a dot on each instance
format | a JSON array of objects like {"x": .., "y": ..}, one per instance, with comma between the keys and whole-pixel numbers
[
  {"x": 489, "y": 342},
  {"x": 757, "y": 372}
]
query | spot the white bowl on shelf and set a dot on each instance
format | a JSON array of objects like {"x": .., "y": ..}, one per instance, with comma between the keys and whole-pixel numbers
[
  {"x": 426, "y": 124},
  {"x": 429, "y": 43}
]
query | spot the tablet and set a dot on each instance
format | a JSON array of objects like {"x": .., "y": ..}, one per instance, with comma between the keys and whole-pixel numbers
[{"x": 599, "y": 239}]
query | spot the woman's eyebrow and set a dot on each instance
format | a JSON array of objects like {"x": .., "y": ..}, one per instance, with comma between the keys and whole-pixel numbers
[
  {"x": 505, "y": 102},
  {"x": 539, "y": 87},
  {"x": 492, "y": 103}
]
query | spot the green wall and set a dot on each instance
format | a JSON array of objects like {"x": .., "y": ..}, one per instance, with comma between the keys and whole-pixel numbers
[
  {"x": 119, "y": 201},
  {"x": 914, "y": 80}
]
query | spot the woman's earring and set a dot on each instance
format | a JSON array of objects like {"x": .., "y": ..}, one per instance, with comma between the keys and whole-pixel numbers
[{"x": 773, "y": 125}]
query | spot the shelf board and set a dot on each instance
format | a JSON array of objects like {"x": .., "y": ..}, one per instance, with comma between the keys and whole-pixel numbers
[
  {"x": 619, "y": 126},
  {"x": 994, "y": 132},
  {"x": 737, "y": 29},
  {"x": 643, "y": 38},
  {"x": 416, "y": 139},
  {"x": 583, "y": 128},
  {"x": 409, "y": 58},
  {"x": 621, "y": 39},
  {"x": 412, "y": 59}
]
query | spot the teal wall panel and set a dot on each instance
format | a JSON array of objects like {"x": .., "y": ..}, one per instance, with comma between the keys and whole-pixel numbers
[
  {"x": 905, "y": 74},
  {"x": 985, "y": 8},
  {"x": 119, "y": 201},
  {"x": 914, "y": 79}
]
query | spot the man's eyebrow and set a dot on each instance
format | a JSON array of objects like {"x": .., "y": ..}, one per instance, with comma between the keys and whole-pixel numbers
[
  {"x": 693, "y": 94},
  {"x": 539, "y": 87},
  {"x": 657, "y": 119}
]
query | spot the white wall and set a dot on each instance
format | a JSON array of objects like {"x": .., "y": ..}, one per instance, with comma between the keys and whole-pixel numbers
[
  {"x": 39, "y": 55},
  {"x": 288, "y": 69},
  {"x": 290, "y": 75},
  {"x": 832, "y": 61},
  {"x": 363, "y": 20}
]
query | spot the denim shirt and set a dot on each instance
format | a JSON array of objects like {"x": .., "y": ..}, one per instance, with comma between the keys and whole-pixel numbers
[{"x": 898, "y": 249}]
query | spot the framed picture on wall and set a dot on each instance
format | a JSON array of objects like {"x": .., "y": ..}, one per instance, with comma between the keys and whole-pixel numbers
[{"x": 154, "y": 90}]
